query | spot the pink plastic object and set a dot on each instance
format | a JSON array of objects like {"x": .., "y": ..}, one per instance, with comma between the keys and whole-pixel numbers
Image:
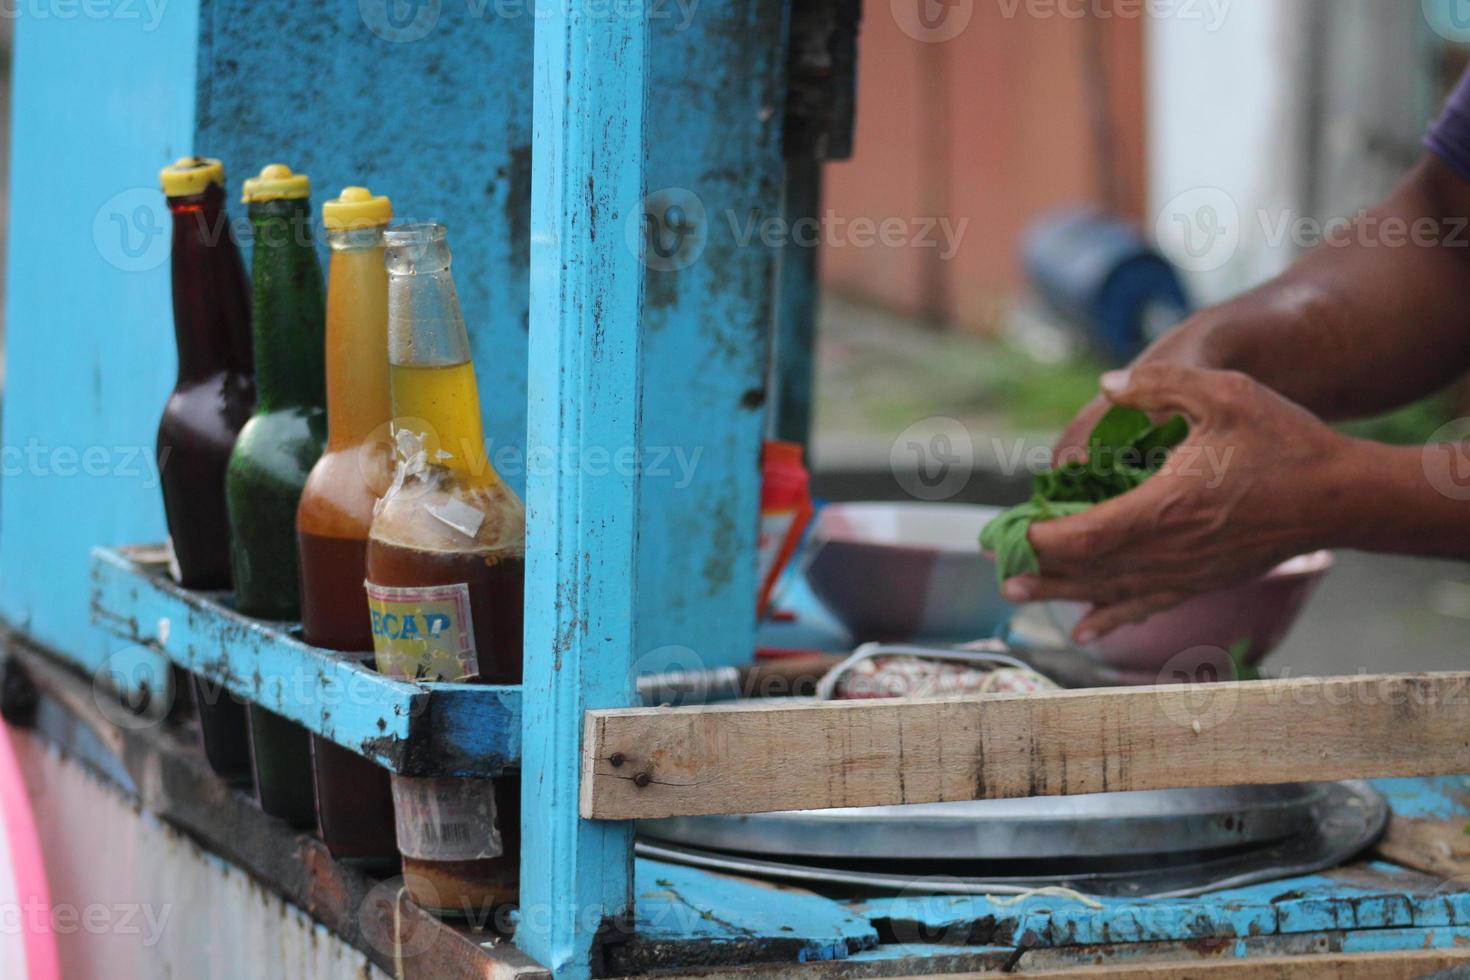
[
  {"x": 1156, "y": 650},
  {"x": 23, "y": 885}
]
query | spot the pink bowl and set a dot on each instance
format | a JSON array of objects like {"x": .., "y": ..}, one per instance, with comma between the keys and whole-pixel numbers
[{"x": 1189, "y": 642}]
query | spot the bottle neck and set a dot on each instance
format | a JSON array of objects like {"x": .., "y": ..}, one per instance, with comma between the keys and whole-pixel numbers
[
  {"x": 357, "y": 338},
  {"x": 210, "y": 297},
  {"x": 286, "y": 307},
  {"x": 433, "y": 380}
]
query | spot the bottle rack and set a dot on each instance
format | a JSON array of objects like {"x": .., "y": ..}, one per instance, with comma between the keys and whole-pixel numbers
[{"x": 415, "y": 729}]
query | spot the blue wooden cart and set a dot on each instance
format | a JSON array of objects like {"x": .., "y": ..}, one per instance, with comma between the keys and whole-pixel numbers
[{"x": 600, "y": 164}]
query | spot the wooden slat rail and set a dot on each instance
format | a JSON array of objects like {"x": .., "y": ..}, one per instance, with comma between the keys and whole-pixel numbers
[
  {"x": 648, "y": 762},
  {"x": 415, "y": 729}
]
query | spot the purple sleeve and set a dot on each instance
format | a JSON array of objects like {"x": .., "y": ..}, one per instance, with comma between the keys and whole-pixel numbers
[{"x": 1449, "y": 135}]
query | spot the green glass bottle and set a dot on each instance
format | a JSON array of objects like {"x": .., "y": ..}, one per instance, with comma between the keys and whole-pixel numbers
[{"x": 274, "y": 455}]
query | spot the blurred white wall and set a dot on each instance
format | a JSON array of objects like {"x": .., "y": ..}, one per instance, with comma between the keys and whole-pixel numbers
[{"x": 1268, "y": 117}]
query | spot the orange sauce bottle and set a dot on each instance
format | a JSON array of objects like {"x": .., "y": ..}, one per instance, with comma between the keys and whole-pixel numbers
[{"x": 353, "y": 800}]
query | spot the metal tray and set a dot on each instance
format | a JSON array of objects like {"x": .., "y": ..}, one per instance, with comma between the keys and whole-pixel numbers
[
  {"x": 1350, "y": 816},
  {"x": 1106, "y": 824}
]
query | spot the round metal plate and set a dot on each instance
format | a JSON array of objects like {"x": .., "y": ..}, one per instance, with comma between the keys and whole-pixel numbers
[
  {"x": 1106, "y": 824},
  {"x": 1351, "y": 815}
]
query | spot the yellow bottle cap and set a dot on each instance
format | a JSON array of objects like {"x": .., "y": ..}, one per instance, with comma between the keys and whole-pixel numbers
[
  {"x": 187, "y": 176},
  {"x": 276, "y": 181},
  {"x": 356, "y": 207}
]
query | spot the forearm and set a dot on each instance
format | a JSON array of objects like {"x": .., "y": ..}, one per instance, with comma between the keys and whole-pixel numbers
[
  {"x": 1396, "y": 500},
  {"x": 1374, "y": 318}
]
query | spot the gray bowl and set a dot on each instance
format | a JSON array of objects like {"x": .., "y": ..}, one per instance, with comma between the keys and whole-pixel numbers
[{"x": 906, "y": 571}]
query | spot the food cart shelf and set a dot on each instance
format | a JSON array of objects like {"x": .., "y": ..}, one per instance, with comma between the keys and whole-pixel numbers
[{"x": 410, "y": 728}]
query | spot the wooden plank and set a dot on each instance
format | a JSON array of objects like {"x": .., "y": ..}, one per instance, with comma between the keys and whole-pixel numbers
[
  {"x": 418, "y": 729},
  {"x": 586, "y": 360},
  {"x": 1437, "y": 847},
  {"x": 642, "y": 763},
  {"x": 1400, "y": 965},
  {"x": 1427, "y": 830}
]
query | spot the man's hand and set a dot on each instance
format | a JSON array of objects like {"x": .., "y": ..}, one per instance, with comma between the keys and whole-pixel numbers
[
  {"x": 1186, "y": 346},
  {"x": 1253, "y": 485},
  {"x": 1072, "y": 446}
]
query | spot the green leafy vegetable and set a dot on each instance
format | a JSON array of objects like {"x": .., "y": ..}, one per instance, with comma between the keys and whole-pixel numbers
[
  {"x": 1118, "y": 429},
  {"x": 1159, "y": 439},
  {"x": 1124, "y": 449},
  {"x": 1238, "y": 651}
]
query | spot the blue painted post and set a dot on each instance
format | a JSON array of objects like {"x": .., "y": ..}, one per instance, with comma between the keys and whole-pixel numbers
[
  {"x": 584, "y": 396},
  {"x": 88, "y": 344}
]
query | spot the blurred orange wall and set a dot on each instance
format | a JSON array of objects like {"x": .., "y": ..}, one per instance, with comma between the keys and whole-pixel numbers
[{"x": 1014, "y": 116}]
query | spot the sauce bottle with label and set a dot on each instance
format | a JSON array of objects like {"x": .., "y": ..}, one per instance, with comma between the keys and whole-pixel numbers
[
  {"x": 213, "y": 398},
  {"x": 354, "y": 803},
  {"x": 273, "y": 455},
  {"x": 446, "y": 576}
]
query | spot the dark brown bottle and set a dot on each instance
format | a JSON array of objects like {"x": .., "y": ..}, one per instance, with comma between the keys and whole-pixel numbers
[{"x": 213, "y": 398}]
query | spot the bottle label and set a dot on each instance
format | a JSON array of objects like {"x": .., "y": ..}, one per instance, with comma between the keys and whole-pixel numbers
[
  {"x": 423, "y": 633},
  {"x": 446, "y": 819}
]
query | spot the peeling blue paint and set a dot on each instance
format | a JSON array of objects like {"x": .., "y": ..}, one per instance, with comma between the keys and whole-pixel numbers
[{"x": 425, "y": 730}]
